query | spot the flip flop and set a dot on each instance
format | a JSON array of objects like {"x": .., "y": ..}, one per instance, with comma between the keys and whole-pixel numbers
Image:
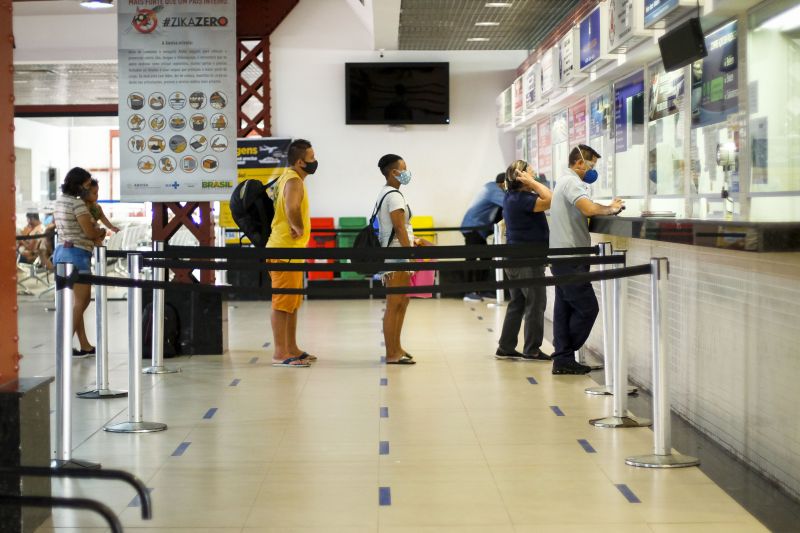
[
  {"x": 407, "y": 356},
  {"x": 288, "y": 362},
  {"x": 306, "y": 355},
  {"x": 402, "y": 361}
]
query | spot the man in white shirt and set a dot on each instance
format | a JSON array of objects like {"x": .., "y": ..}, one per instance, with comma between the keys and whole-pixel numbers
[{"x": 576, "y": 306}]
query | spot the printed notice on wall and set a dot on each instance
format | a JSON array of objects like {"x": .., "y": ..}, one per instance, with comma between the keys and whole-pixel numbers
[{"x": 177, "y": 99}]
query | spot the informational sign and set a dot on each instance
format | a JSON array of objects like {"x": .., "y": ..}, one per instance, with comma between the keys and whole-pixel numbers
[
  {"x": 519, "y": 97},
  {"x": 559, "y": 131},
  {"x": 259, "y": 158},
  {"x": 577, "y": 123},
  {"x": 567, "y": 60},
  {"x": 533, "y": 146},
  {"x": 715, "y": 79},
  {"x": 548, "y": 74},
  {"x": 625, "y": 23},
  {"x": 545, "y": 148},
  {"x": 507, "y": 103},
  {"x": 177, "y": 91},
  {"x": 666, "y": 94},
  {"x": 599, "y": 115},
  {"x": 628, "y": 104},
  {"x": 590, "y": 39},
  {"x": 655, "y": 10},
  {"x": 529, "y": 79}
]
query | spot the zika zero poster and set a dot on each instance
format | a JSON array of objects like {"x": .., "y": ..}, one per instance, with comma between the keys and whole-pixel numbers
[{"x": 177, "y": 92}]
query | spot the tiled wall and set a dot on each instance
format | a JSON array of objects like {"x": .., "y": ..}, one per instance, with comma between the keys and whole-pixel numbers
[{"x": 733, "y": 346}]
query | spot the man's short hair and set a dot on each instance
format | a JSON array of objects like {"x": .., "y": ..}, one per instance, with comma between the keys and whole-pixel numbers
[
  {"x": 588, "y": 153},
  {"x": 297, "y": 150},
  {"x": 387, "y": 163},
  {"x": 500, "y": 178}
]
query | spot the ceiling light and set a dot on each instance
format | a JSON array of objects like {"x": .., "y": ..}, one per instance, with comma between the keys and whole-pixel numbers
[
  {"x": 487, "y": 23},
  {"x": 498, "y": 4},
  {"x": 786, "y": 21},
  {"x": 97, "y": 4},
  {"x": 478, "y": 39}
]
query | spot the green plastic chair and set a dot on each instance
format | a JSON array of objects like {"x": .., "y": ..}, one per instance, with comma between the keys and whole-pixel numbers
[{"x": 345, "y": 240}]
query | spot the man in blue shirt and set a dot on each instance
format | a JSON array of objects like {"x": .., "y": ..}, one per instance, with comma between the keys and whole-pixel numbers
[{"x": 486, "y": 209}]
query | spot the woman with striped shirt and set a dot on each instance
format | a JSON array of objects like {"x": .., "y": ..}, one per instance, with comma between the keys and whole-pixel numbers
[{"x": 76, "y": 235}]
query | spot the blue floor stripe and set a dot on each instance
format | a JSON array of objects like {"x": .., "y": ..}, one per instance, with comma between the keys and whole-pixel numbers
[
  {"x": 490, "y": 330},
  {"x": 586, "y": 446},
  {"x": 253, "y": 360},
  {"x": 384, "y": 412},
  {"x": 556, "y": 410},
  {"x": 480, "y": 318},
  {"x": 384, "y": 382},
  {"x": 235, "y": 382},
  {"x": 136, "y": 502},
  {"x": 628, "y": 493},
  {"x": 385, "y": 496},
  {"x": 532, "y": 381},
  {"x": 383, "y": 343},
  {"x": 265, "y": 345},
  {"x": 211, "y": 412},
  {"x": 182, "y": 447},
  {"x": 383, "y": 359},
  {"x": 383, "y": 449}
]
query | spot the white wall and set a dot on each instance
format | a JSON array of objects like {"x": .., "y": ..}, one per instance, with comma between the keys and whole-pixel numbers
[
  {"x": 65, "y": 38},
  {"x": 49, "y": 147},
  {"x": 449, "y": 163}
]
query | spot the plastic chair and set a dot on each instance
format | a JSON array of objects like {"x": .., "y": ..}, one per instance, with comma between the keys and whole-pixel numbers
[
  {"x": 321, "y": 240},
  {"x": 345, "y": 240},
  {"x": 419, "y": 223}
]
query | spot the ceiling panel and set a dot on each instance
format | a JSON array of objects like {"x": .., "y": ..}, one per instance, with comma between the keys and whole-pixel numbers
[
  {"x": 65, "y": 84},
  {"x": 447, "y": 24}
]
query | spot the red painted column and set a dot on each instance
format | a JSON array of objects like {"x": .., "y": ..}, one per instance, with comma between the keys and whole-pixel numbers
[{"x": 9, "y": 349}]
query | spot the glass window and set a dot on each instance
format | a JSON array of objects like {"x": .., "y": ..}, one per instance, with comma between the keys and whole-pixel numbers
[
  {"x": 629, "y": 135},
  {"x": 601, "y": 139},
  {"x": 715, "y": 138},
  {"x": 560, "y": 140},
  {"x": 665, "y": 159}
]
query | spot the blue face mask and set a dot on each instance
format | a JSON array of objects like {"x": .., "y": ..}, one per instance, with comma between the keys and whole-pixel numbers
[
  {"x": 591, "y": 175},
  {"x": 404, "y": 177}
]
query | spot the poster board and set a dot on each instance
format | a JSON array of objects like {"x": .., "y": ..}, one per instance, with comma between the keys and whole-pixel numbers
[{"x": 177, "y": 99}]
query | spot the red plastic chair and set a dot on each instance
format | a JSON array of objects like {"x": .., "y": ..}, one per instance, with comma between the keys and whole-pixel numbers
[{"x": 321, "y": 240}]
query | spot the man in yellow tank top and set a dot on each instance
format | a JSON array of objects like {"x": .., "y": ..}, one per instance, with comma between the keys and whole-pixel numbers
[{"x": 291, "y": 228}]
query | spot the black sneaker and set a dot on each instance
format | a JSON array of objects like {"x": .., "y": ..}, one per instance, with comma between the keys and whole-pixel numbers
[
  {"x": 81, "y": 354},
  {"x": 500, "y": 354},
  {"x": 571, "y": 367},
  {"x": 538, "y": 356}
]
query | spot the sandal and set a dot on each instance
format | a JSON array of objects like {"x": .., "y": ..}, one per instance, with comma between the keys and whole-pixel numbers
[{"x": 290, "y": 362}]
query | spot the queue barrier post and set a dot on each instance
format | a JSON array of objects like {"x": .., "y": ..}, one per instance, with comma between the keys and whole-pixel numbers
[
  {"x": 135, "y": 424},
  {"x": 605, "y": 249},
  {"x": 500, "y": 294},
  {"x": 101, "y": 390},
  {"x": 662, "y": 456},
  {"x": 65, "y": 300},
  {"x": 620, "y": 417},
  {"x": 157, "y": 328}
]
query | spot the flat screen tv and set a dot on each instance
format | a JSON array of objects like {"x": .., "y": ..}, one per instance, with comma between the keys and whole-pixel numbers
[
  {"x": 683, "y": 45},
  {"x": 397, "y": 93}
]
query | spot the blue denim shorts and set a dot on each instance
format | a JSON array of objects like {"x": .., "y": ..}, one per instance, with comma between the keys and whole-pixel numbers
[{"x": 79, "y": 257}]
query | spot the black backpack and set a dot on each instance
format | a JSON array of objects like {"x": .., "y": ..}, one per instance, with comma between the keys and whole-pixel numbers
[
  {"x": 368, "y": 238},
  {"x": 253, "y": 210},
  {"x": 172, "y": 330}
]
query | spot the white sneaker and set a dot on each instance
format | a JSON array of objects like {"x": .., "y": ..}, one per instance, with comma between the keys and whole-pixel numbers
[{"x": 473, "y": 297}]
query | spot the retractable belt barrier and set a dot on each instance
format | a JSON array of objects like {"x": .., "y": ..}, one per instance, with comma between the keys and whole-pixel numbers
[{"x": 502, "y": 256}]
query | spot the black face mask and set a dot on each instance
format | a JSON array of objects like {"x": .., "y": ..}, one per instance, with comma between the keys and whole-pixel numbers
[{"x": 311, "y": 166}]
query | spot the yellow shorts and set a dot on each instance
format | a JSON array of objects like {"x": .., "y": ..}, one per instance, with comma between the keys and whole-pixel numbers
[{"x": 288, "y": 303}]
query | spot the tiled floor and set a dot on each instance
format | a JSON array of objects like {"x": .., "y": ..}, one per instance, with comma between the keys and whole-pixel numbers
[{"x": 459, "y": 442}]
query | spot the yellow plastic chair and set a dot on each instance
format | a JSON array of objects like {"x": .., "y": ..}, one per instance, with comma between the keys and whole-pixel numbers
[{"x": 419, "y": 223}]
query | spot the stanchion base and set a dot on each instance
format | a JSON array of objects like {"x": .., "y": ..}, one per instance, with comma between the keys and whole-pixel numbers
[
  {"x": 160, "y": 370},
  {"x": 673, "y": 460},
  {"x": 629, "y": 421},
  {"x": 496, "y": 304},
  {"x": 73, "y": 463},
  {"x": 103, "y": 394},
  {"x": 602, "y": 390},
  {"x": 136, "y": 427}
]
